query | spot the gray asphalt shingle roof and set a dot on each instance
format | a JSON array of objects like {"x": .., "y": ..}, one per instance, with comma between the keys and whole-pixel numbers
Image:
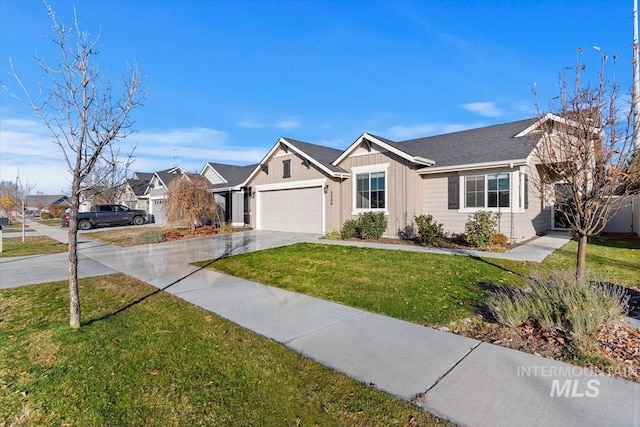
[
  {"x": 481, "y": 145},
  {"x": 233, "y": 174},
  {"x": 324, "y": 155}
]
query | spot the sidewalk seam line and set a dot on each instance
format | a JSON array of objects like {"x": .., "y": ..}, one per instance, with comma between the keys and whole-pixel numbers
[
  {"x": 287, "y": 342},
  {"x": 452, "y": 368}
]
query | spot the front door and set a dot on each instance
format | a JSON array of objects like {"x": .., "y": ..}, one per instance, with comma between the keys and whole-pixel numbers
[{"x": 562, "y": 205}]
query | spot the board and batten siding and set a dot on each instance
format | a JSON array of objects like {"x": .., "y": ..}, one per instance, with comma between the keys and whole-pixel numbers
[
  {"x": 299, "y": 171},
  {"x": 213, "y": 177},
  {"x": 403, "y": 186}
]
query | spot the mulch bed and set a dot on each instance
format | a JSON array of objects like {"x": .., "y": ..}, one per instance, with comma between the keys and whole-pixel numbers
[{"x": 617, "y": 343}]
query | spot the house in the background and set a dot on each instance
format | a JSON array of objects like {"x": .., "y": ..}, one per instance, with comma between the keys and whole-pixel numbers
[
  {"x": 157, "y": 193},
  {"x": 134, "y": 191},
  {"x": 98, "y": 195},
  {"x": 227, "y": 184},
  {"x": 306, "y": 187},
  {"x": 46, "y": 202}
]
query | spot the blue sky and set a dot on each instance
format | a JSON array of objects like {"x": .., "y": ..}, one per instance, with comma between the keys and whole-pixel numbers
[{"x": 227, "y": 79}]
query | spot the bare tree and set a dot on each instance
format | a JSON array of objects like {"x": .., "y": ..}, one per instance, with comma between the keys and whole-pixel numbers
[
  {"x": 23, "y": 192},
  {"x": 86, "y": 117},
  {"x": 584, "y": 144},
  {"x": 189, "y": 201}
]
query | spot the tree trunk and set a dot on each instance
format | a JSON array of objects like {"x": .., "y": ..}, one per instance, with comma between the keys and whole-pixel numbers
[
  {"x": 582, "y": 256},
  {"x": 74, "y": 296}
]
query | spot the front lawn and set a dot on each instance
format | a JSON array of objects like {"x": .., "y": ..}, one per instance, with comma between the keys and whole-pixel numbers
[
  {"x": 428, "y": 289},
  {"x": 145, "y": 357},
  {"x": 435, "y": 290},
  {"x": 32, "y": 245},
  {"x": 616, "y": 260}
]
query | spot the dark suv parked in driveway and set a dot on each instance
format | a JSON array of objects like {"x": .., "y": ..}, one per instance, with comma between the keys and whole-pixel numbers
[{"x": 107, "y": 215}]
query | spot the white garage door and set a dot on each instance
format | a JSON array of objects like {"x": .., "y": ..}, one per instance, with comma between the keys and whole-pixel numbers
[
  {"x": 159, "y": 215},
  {"x": 296, "y": 210}
]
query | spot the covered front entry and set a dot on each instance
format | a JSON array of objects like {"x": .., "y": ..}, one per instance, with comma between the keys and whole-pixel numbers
[{"x": 291, "y": 209}]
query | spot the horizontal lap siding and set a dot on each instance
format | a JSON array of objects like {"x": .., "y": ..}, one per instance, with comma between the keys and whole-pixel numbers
[
  {"x": 436, "y": 202},
  {"x": 527, "y": 224},
  {"x": 536, "y": 219}
]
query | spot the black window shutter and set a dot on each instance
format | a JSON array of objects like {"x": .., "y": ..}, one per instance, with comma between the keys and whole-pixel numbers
[
  {"x": 454, "y": 192},
  {"x": 526, "y": 191}
]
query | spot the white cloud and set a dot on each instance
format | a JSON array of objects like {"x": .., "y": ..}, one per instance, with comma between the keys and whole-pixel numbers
[
  {"x": 286, "y": 124},
  {"x": 27, "y": 146},
  {"x": 426, "y": 129},
  {"x": 485, "y": 109}
]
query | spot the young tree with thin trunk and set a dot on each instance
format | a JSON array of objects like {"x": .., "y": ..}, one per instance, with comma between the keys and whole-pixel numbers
[
  {"x": 189, "y": 201},
  {"x": 86, "y": 117},
  {"x": 584, "y": 144},
  {"x": 23, "y": 192}
]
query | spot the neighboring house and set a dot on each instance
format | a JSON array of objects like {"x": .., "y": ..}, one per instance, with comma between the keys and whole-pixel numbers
[
  {"x": 157, "y": 192},
  {"x": 39, "y": 202},
  {"x": 95, "y": 196},
  {"x": 305, "y": 187},
  {"x": 134, "y": 191},
  {"x": 227, "y": 185}
]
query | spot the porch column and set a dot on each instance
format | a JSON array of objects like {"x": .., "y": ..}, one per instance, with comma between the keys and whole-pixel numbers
[{"x": 237, "y": 209}]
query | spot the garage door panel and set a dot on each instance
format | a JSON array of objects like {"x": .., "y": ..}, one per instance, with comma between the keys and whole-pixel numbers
[{"x": 294, "y": 210}]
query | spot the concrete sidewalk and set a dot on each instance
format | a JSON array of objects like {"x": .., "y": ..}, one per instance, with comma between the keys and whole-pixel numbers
[{"x": 460, "y": 379}]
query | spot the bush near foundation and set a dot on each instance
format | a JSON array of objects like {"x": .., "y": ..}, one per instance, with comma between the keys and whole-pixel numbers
[
  {"x": 429, "y": 231},
  {"x": 481, "y": 227}
]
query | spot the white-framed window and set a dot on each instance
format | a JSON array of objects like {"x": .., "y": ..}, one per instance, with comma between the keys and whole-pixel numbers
[
  {"x": 370, "y": 188},
  {"x": 487, "y": 191}
]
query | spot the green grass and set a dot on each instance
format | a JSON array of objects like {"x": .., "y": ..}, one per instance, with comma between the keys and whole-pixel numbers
[
  {"x": 616, "y": 260},
  {"x": 428, "y": 289},
  {"x": 147, "y": 358},
  {"x": 32, "y": 245}
]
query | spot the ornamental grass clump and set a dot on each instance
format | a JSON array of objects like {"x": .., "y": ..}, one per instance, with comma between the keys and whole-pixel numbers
[
  {"x": 574, "y": 308},
  {"x": 148, "y": 237}
]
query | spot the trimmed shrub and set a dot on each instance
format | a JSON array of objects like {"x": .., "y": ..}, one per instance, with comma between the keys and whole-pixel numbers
[
  {"x": 149, "y": 236},
  {"x": 429, "y": 231},
  {"x": 45, "y": 215},
  {"x": 481, "y": 227},
  {"x": 559, "y": 301},
  {"x": 349, "y": 229},
  {"x": 372, "y": 225}
]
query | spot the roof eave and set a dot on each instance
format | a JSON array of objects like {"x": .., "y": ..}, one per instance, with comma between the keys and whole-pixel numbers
[
  {"x": 413, "y": 159},
  {"x": 472, "y": 166}
]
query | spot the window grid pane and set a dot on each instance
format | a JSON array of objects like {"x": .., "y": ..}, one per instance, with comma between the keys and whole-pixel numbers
[
  {"x": 498, "y": 190},
  {"x": 474, "y": 191},
  {"x": 370, "y": 190}
]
